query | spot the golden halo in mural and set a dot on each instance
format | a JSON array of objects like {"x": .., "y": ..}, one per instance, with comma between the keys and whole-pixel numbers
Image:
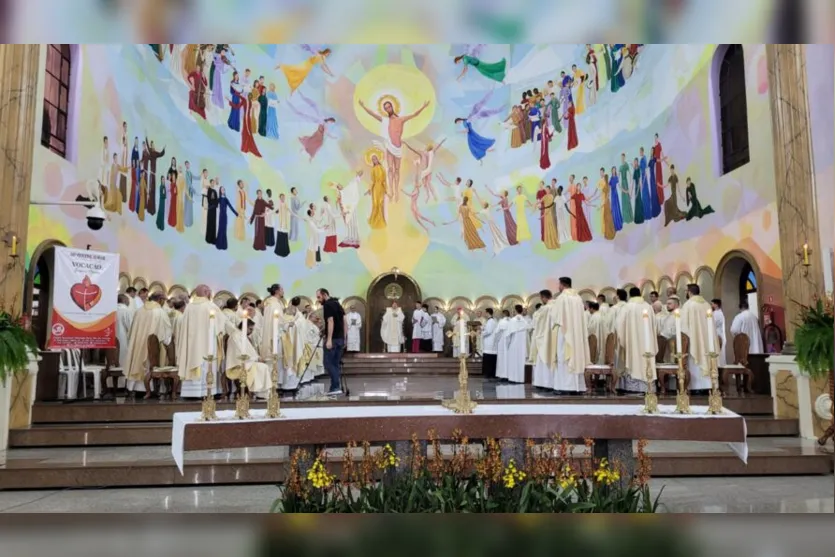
[
  {"x": 395, "y": 102},
  {"x": 393, "y": 292},
  {"x": 374, "y": 151}
]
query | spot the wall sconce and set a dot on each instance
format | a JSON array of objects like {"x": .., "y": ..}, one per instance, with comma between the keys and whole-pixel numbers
[
  {"x": 12, "y": 240},
  {"x": 803, "y": 254}
]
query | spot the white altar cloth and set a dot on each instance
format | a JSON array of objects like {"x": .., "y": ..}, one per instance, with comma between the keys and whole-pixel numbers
[{"x": 183, "y": 419}]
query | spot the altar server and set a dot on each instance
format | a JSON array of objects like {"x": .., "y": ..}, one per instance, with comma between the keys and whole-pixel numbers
[
  {"x": 426, "y": 330},
  {"x": 746, "y": 322},
  {"x": 354, "y": 321},
  {"x": 719, "y": 319},
  {"x": 515, "y": 340},
  {"x": 501, "y": 345},
  {"x": 438, "y": 322}
]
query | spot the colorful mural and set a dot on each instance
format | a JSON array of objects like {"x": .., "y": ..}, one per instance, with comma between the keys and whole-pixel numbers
[{"x": 476, "y": 169}]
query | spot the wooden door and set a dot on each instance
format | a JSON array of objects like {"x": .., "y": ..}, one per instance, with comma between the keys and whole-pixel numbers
[{"x": 384, "y": 290}]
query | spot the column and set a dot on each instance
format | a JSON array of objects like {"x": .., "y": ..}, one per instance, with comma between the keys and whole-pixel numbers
[
  {"x": 793, "y": 170},
  {"x": 18, "y": 103}
]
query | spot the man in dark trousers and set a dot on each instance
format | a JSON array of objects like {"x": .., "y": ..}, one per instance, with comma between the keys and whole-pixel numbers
[{"x": 334, "y": 337}]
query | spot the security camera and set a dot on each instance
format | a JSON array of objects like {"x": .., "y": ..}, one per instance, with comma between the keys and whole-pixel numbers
[
  {"x": 92, "y": 202},
  {"x": 95, "y": 217}
]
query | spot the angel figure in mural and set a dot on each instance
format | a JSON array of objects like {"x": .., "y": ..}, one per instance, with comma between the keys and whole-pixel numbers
[
  {"x": 241, "y": 117},
  {"x": 471, "y": 57},
  {"x": 296, "y": 74},
  {"x": 466, "y": 216},
  {"x": 414, "y": 197},
  {"x": 197, "y": 83},
  {"x": 313, "y": 142},
  {"x": 478, "y": 144},
  {"x": 220, "y": 63},
  {"x": 423, "y": 166},
  {"x": 348, "y": 198}
]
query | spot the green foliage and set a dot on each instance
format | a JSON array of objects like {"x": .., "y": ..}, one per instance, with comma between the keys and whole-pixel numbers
[
  {"x": 15, "y": 344},
  {"x": 814, "y": 339}
]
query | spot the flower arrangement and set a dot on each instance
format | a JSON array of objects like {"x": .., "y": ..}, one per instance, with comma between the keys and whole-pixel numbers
[
  {"x": 815, "y": 343},
  {"x": 549, "y": 480},
  {"x": 16, "y": 342}
]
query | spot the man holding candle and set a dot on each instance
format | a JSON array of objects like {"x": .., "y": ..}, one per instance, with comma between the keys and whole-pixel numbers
[
  {"x": 637, "y": 334},
  {"x": 203, "y": 325},
  {"x": 697, "y": 323}
]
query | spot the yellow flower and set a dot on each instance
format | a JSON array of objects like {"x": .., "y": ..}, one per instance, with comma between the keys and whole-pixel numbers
[
  {"x": 388, "y": 459},
  {"x": 512, "y": 475},
  {"x": 318, "y": 476}
]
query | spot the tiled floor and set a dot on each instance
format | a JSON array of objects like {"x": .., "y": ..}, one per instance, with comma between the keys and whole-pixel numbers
[{"x": 812, "y": 494}]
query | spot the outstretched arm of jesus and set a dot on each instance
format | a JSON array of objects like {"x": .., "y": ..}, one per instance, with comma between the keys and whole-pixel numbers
[
  {"x": 370, "y": 112},
  {"x": 416, "y": 112}
]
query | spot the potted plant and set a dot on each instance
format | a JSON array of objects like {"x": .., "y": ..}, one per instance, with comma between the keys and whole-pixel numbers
[
  {"x": 816, "y": 346},
  {"x": 18, "y": 352}
]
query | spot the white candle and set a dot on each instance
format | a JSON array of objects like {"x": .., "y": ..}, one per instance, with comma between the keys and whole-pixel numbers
[
  {"x": 244, "y": 318},
  {"x": 212, "y": 335},
  {"x": 275, "y": 332},
  {"x": 647, "y": 334},
  {"x": 462, "y": 332},
  {"x": 711, "y": 333},
  {"x": 678, "y": 331}
]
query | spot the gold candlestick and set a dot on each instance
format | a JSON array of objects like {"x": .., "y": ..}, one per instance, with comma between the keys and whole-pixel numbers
[
  {"x": 274, "y": 403},
  {"x": 714, "y": 401},
  {"x": 242, "y": 404},
  {"x": 461, "y": 403},
  {"x": 682, "y": 398},
  {"x": 208, "y": 412},
  {"x": 650, "y": 399}
]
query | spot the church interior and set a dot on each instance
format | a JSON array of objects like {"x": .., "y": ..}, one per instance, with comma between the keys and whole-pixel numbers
[{"x": 618, "y": 245}]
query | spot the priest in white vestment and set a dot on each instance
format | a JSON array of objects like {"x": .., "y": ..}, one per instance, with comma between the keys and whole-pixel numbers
[
  {"x": 598, "y": 327},
  {"x": 620, "y": 353},
  {"x": 293, "y": 368},
  {"x": 419, "y": 320},
  {"x": 438, "y": 323},
  {"x": 426, "y": 330},
  {"x": 572, "y": 340},
  {"x": 501, "y": 345},
  {"x": 354, "y": 321},
  {"x": 605, "y": 313},
  {"x": 258, "y": 374},
  {"x": 196, "y": 345},
  {"x": 719, "y": 319},
  {"x": 694, "y": 314},
  {"x": 391, "y": 331},
  {"x": 543, "y": 352},
  {"x": 515, "y": 340},
  {"x": 637, "y": 330},
  {"x": 124, "y": 318},
  {"x": 274, "y": 305},
  {"x": 312, "y": 342},
  {"x": 150, "y": 319},
  {"x": 747, "y": 323},
  {"x": 456, "y": 338},
  {"x": 179, "y": 306}
]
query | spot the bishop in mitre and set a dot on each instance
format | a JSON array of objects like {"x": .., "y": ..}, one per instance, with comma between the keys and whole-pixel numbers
[
  {"x": 150, "y": 319},
  {"x": 195, "y": 345},
  {"x": 258, "y": 374},
  {"x": 637, "y": 331},
  {"x": 456, "y": 337},
  {"x": 694, "y": 324},
  {"x": 391, "y": 331},
  {"x": 598, "y": 328},
  {"x": 354, "y": 320}
]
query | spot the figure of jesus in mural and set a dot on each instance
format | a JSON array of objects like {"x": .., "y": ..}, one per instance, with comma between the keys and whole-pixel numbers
[{"x": 391, "y": 130}]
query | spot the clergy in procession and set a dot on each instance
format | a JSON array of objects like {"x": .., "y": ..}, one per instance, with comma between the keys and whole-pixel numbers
[
  {"x": 719, "y": 319},
  {"x": 515, "y": 340},
  {"x": 426, "y": 331},
  {"x": 438, "y": 323},
  {"x": 479, "y": 339},
  {"x": 617, "y": 309},
  {"x": 203, "y": 325},
  {"x": 295, "y": 353},
  {"x": 747, "y": 323},
  {"x": 605, "y": 313},
  {"x": 258, "y": 374},
  {"x": 252, "y": 312},
  {"x": 637, "y": 333},
  {"x": 124, "y": 319},
  {"x": 419, "y": 320},
  {"x": 457, "y": 350},
  {"x": 572, "y": 340},
  {"x": 391, "y": 331},
  {"x": 598, "y": 328},
  {"x": 150, "y": 319},
  {"x": 274, "y": 305},
  {"x": 354, "y": 321},
  {"x": 667, "y": 325},
  {"x": 230, "y": 310},
  {"x": 501, "y": 345},
  {"x": 543, "y": 352},
  {"x": 179, "y": 306},
  {"x": 488, "y": 343},
  {"x": 694, "y": 323},
  {"x": 529, "y": 320},
  {"x": 313, "y": 347}
]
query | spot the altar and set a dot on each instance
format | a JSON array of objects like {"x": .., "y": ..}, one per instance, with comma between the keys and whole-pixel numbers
[{"x": 614, "y": 427}]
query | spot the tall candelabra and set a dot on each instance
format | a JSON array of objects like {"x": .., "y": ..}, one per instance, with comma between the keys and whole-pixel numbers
[
  {"x": 682, "y": 398},
  {"x": 208, "y": 412},
  {"x": 714, "y": 401},
  {"x": 242, "y": 404},
  {"x": 461, "y": 403},
  {"x": 274, "y": 403},
  {"x": 650, "y": 399}
]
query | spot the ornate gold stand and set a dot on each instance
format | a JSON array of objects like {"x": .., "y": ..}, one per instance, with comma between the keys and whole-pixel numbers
[
  {"x": 682, "y": 398},
  {"x": 714, "y": 401},
  {"x": 242, "y": 404},
  {"x": 274, "y": 403},
  {"x": 650, "y": 399},
  {"x": 208, "y": 413},
  {"x": 461, "y": 404}
]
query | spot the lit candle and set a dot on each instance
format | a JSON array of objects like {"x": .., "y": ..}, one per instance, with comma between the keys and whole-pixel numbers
[
  {"x": 462, "y": 331},
  {"x": 678, "y": 331},
  {"x": 805, "y": 254},
  {"x": 711, "y": 333},
  {"x": 14, "y": 245},
  {"x": 212, "y": 336},
  {"x": 647, "y": 334},
  {"x": 275, "y": 332}
]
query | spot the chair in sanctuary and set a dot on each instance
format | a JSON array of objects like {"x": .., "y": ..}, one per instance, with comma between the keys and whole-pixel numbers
[
  {"x": 604, "y": 370},
  {"x": 739, "y": 369},
  {"x": 164, "y": 372},
  {"x": 666, "y": 348}
]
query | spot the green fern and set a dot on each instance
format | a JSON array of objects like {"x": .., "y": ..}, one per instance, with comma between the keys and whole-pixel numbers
[
  {"x": 814, "y": 340},
  {"x": 15, "y": 344}
]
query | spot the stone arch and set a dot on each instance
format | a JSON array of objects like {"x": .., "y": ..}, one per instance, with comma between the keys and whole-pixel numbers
[
  {"x": 251, "y": 295},
  {"x": 177, "y": 290},
  {"x": 461, "y": 301},
  {"x": 484, "y": 302},
  {"x": 628, "y": 286},
  {"x": 434, "y": 302},
  {"x": 588, "y": 295},
  {"x": 683, "y": 278},
  {"x": 388, "y": 287},
  {"x": 139, "y": 283},
  {"x": 664, "y": 283},
  {"x": 647, "y": 286},
  {"x": 531, "y": 301},
  {"x": 704, "y": 277},
  {"x": 610, "y": 293},
  {"x": 508, "y": 302},
  {"x": 726, "y": 281},
  {"x": 43, "y": 256},
  {"x": 124, "y": 282},
  {"x": 221, "y": 297},
  {"x": 157, "y": 286}
]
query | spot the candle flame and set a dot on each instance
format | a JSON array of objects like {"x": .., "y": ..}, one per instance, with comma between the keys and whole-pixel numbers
[
  {"x": 212, "y": 314},
  {"x": 710, "y": 313},
  {"x": 677, "y": 314},
  {"x": 646, "y": 314},
  {"x": 275, "y": 313}
]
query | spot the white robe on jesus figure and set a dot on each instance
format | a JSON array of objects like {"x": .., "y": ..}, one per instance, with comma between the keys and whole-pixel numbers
[
  {"x": 354, "y": 328},
  {"x": 194, "y": 346},
  {"x": 694, "y": 325},
  {"x": 515, "y": 340},
  {"x": 391, "y": 330},
  {"x": 747, "y": 323},
  {"x": 438, "y": 322}
]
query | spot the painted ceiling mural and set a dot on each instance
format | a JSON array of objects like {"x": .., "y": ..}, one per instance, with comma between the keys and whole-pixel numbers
[{"x": 477, "y": 169}]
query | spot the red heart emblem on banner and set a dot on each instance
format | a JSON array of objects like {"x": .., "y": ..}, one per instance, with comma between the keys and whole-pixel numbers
[{"x": 85, "y": 294}]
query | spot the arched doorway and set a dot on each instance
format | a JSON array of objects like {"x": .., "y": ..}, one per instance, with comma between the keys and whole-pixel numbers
[
  {"x": 737, "y": 278},
  {"x": 385, "y": 289},
  {"x": 37, "y": 291}
]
